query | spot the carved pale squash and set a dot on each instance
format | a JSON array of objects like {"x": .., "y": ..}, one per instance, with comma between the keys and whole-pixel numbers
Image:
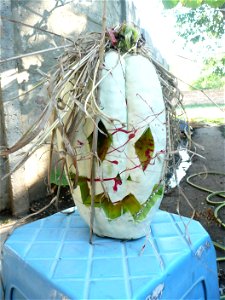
[{"x": 131, "y": 149}]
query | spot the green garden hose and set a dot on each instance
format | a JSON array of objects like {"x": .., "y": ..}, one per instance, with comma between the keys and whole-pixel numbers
[{"x": 219, "y": 206}]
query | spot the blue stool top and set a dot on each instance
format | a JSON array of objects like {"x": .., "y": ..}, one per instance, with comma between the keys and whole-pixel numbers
[{"x": 55, "y": 260}]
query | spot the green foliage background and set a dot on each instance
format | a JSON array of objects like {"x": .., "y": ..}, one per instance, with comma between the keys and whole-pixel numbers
[
  {"x": 203, "y": 23},
  {"x": 213, "y": 74}
]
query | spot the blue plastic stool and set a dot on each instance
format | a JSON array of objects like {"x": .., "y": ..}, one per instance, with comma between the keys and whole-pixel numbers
[{"x": 52, "y": 259}]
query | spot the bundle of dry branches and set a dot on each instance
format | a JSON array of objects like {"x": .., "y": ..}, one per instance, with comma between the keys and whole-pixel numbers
[{"x": 71, "y": 94}]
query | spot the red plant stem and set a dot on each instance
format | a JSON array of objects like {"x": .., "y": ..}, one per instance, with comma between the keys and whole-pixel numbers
[
  {"x": 117, "y": 180},
  {"x": 121, "y": 130},
  {"x": 115, "y": 162},
  {"x": 112, "y": 37},
  {"x": 130, "y": 136}
]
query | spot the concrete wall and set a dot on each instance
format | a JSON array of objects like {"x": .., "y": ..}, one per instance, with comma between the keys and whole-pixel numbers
[
  {"x": 20, "y": 109},
  {"x": 4, "y": 168},
  {"x": 67, "y": 19}
]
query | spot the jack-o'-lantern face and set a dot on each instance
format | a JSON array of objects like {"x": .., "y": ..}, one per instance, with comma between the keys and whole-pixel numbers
[
  {"x": 131, "y": 144},
  {"x": 120, "y": 185}
]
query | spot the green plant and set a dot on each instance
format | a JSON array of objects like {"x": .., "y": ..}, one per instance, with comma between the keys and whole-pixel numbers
[
  {"x": 213, "y": 74},
  {"x": 168, "y": 4}
]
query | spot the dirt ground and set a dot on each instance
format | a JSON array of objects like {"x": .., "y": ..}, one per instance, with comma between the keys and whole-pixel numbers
[{"x": 212, "y": 138}]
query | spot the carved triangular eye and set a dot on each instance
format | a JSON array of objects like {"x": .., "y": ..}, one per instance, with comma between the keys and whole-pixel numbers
[
  {"x": 104, "y": 141},
  {"x": 144, "y": 148},
  {"x": 129, "y": 178}
]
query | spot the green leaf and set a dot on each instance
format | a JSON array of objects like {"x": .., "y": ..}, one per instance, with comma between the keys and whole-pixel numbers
[
  {"x": 84, "y": 190},
  {"x": 191, "y": 3},
  {"x": 168, "y": 4},
  {"x": 128, "y": 37},
  {"x": 215, "y": 3},
  {"x": 212, "y": 74},
  {"x": 55, "y": 178},
  {"x": 200, "y": 25}
]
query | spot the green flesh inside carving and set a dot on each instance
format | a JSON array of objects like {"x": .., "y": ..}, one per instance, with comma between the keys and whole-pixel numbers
[
  {"x": 144, "y": 148},
  {"x": 127, "y": 204}
]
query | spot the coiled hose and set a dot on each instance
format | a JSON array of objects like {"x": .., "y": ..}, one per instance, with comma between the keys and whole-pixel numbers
[{"x": 219, "y": 205}]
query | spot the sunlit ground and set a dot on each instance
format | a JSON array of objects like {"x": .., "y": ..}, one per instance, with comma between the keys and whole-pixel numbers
[{"x": 205, "y": 114}]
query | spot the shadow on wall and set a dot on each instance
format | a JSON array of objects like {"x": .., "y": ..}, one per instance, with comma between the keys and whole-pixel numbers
[
  {"x": 4, "y": 190},
  {"x": 51, "y": 24}
]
